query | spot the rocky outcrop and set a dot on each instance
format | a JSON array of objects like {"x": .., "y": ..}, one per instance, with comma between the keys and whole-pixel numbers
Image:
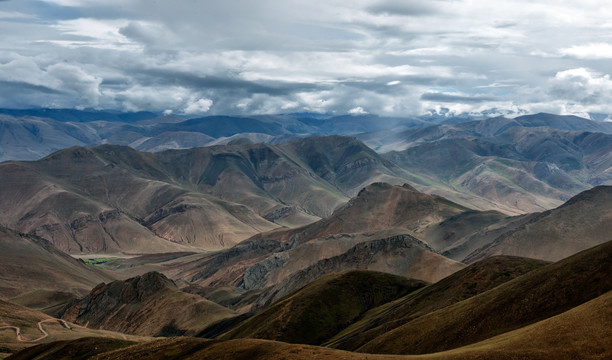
[
  {"x": 95, "y": 307},
  {"x": 148, "y": 305},
  {"x": 400, "y": 255}
]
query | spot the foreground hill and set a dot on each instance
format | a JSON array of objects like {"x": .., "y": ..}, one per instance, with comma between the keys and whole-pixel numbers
[
  {"x": 471, "y": 281},
  {"x": 535, "y": 296},
  {"x": 324, "y": 307},
  {"x": 29, "y": 263},
  {"x": 148, "y": 305},
  {"x": 21, "y": 327},
  {"x": 560, "y": 310},
  {"x": 582, "y": 332}
]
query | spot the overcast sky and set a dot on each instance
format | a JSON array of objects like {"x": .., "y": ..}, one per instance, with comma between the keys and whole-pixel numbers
[{"x": 386, "y": 57}]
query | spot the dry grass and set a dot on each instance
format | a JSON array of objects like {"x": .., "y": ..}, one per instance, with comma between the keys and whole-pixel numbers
[{"x": 535, "y": 296}]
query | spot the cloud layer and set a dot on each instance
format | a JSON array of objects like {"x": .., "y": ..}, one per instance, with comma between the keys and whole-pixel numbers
[{"x": 390, "y": 57}]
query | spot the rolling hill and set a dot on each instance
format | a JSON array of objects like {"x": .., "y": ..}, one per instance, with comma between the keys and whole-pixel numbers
[
  {"x": 180, "y": 200},
  {"x": 21, "y": 328},
  {"x": 535, "y": 296},
  {"x": 471, "y": 281},
  {"x": 516, "y": 166},
  {"x": 582, "y": 332},
  {"x": 323, "y": 307}
]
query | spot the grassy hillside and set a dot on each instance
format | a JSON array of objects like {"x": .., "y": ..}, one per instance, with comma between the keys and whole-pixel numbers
[
  {"x": 535, "y": 296},
  {"x": 471, "y": 281},
  {"x": 324, "y": 307}
]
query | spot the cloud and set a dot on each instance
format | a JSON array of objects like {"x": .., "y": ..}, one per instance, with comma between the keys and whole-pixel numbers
[
  {"x": 198, "y": 107},
  {"x": 582, "y": 86},
  {"x": 58, "y": 85},
  {"x": 388, "y": 57},
  {"x": 15, "y": 14},
  {"x": 589, "y": 51},
  {"x": 452, "y": 98},
  {"x": 357, "y": 111},
  {"x": 402, "y": 8}
]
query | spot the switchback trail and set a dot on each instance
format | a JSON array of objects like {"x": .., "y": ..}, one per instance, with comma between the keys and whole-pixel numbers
[{"x": 40, "y": 327}]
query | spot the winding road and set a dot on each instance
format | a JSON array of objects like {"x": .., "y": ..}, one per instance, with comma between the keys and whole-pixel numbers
[{"x": 40, "y": 327}]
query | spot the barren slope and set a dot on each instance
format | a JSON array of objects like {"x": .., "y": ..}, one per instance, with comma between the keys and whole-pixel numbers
[
  {"x": 378, "y": 212},
  {"x": 582, "y": 222},
  {"x": 29, "y": 263}
]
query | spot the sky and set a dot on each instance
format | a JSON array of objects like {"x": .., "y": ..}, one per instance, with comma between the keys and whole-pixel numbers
[{"x": 386, "y": 57}]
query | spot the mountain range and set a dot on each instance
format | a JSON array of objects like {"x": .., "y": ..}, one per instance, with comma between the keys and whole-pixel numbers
[{"x": 304, "y": 235}]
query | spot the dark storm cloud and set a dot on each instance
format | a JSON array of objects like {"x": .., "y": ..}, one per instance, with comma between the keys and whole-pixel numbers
[
  {"x": 23, "y": 95},
  {"x": 20, "y": 87},
  {"x": 403, "y": 8},
  {"x": 230, "y": 83}
]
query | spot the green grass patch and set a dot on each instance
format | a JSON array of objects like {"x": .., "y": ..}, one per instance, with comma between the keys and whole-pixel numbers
[{"x": 96, "y": 261}]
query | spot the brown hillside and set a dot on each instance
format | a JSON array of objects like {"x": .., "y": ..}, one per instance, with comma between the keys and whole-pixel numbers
[
  {"x": 29, "y": 322},
  {"x": 535, "y": 296},
  {"x": 29, "y": 263},
  {"x": 582, "y": 222},
  {"x": 464, "y": 284},
  {"x": 401, "y": 255},
  {"x": 322, "y": 308}
]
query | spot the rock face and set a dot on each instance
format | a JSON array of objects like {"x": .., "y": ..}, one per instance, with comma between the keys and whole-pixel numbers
[{"x": 144, "y": 305}]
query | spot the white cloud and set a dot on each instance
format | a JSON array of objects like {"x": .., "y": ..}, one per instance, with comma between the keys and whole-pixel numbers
[
  {"x": 579, "y": 91},
  {"x": 198, "y": 107},
  {"x": 77, "y": 82},
  {"x": 67, "y": 79},
  {"x": 589, "y": 51},
  {"x": 104, "y": 34},
  {"x": 357, "y": 111}
]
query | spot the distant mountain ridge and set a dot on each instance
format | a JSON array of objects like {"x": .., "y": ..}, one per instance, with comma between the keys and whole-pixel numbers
[
  {"x": 526, "y": 164},
  {"x": 33, "y": 134}
]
